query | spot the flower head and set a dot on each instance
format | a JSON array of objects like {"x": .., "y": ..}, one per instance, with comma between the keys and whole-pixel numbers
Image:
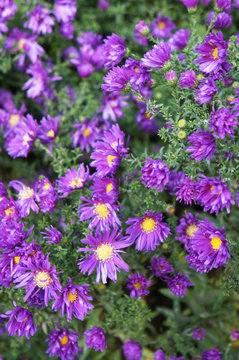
[
  {"x": 206, "y": 91},
  {"x": 179, "y": 39},
  {"x": 204, "y": 145},
  {"x": 65, "y": 10},
  {"x": 114, "y": 50},
  {"x": 48, "y": 130},
  {"x": 104, "y": 255},
  {"x": 26, "y": 198},
  {"x": 161, "y": 27},
  {"x": 213, "y": 354},
  {"x": 112, "y": 106},
  {"x": 137, "y": 285},
  {"x": 158, "y": 56},
  {"x": 160, "y": 267},
  {"x": 148, "y": 231},
  {"x": 222, "y": 122},
  {"x": 155, "y": 174},
  {"x": 116, "y": 79},
  {"x": 140, "y": 33},
  {"x": 132, "y": 350},
  {"x": 187, "y": 191},
  {"x": 235, "y": 334},
  {"x": 178, "y": 284},
  {"x": 223, "y": 20},
  {"x": 186, "y": 229},
  {"x": 73, "y": 180},
  {"x": 159, "y": 355},
  {"x": 199, "y": 334},
  {"x": 53, "y": 234},
  {"x": 95, "y": 339},
  {"x": 46, "y": 194},
  {"x": 187, "y": 79},
  {"x": 190, "y": 4},
  {"x": 40, "y": 20},
  {"x": 106, "y": 188}
]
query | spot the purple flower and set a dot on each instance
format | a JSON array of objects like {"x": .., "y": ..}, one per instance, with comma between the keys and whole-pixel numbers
[
  {"x": 223, "y": 20},
  {"x": 67, "y": 30},
  {"x": 48, "y": 130},
  {"x": 40, "y": 21},
  {"x": 105, "y": 188},
  {"x": 213, "y": 354},
  {"x": 63, "y": 343},
  {"x": 158, "y": 57},
  {"x": 73, "y": 299},
  {"x": 213, "y": 55},
  {"x": 199, "y": 334},
  {"x": 85, "y": 135},
  {"x": 222, "y": 122},
  {"x": 46, "y": 195},
  {"x": 103, "y": 4},
  {"x": 114, "y": 50},
  {"x": 7, "y": 10},
  {"x": 171, "y": 77},
  {"x": 206, "y": 91},
  {"x": 179, "y": 39},
  {"x": 8, "y": 210},
  {"x": 208, "y": 247},
  {"x": 187, "y": 228},
  {"x": 190, "y": 4},
  {"x": 73, "y": 180},
  {"x": 112, "y": 106},
  {"x": 141, "y": 33},
  {"x": 178, "y": 284},
  {"x": 64, "y": 10},
  {"x": 139, "y": 75},
  {"x": 159, "y": 355},
  {"x": 187, "y": 79},
  {"x": 213, "y": 194},
  {"x": 89, "y": 38},
  {"x": 155, "y": 174},
  {"x": 26, "y": 198},
  {"x": 38, "y": 275},
  {"x": 204, "y": 145},
  {"x": 137, "y": 285},
  {"x": 146, "y": 121},
  {"x": 160, "y": 267},
  {"x": 53, "y": 234},
  {"x": 95, "y": 339},
  {"x": 225, "y": 5},
  {"x": 132, "y": 350},
  {"x": 235, "y": 334},
  {"x": 102, "y": 213},
  {"x": 20, "y": 322},
  {"x": 161, "y": 27},
  {"x": 175, "y": 178},
  {"x": 11, "y": 233},
  {"x": 104, "y": 255},
  {"x": 148, "y": 231},
  {"x": 116, "y": 79}
]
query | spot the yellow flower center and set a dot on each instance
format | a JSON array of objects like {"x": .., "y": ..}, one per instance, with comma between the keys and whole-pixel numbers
[
  {"x": 110, "y": 159},
  {"x": 215, "y": 53},
  {"x": 86, "y": 132},
  {"x": 216, "y": 243},
  {"x": 148, "y": 225},
  {"x": 72, "y": 297},
  {"x": 26, "y": 138},
  {"x": 51, "y": 133},
  {"x": 14, "y": 119},
  {"x": 136, "y": 69},
  {"x": 46, "y": 186},
  {"x": 21, "y": 44},
  {"x": 137, "y": 285},
  {"x": 16, "y": 259},
  {"x": 76, "y": 183},
  {"x": 161, "y": 25},
  {"x": 42, "y": 279},
  {"x": 147, "y": 115},
  {"x": 25, "y": 319},
  {"x": 1, "y": 198},
  {"x": 109, "y": 187},
  {"x": 102, "y": 211},
  {"x": 160, "y": 267},
  {"x": 64, "y": 340},
  {"x": 191, "y": 230},
  {"x": 104, "y": 252},
  {"x": 27, "y": 193},
  {"x": 9, "y": 211}
]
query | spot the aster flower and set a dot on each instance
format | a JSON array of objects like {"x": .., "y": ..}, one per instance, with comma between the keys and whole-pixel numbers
[
  {"x": 8, "y": 209},
  {"x": 224, "y": 4},
  {"x": 158, "y": 57},
  {"x": 148, "y": 231},
  {"x": 132, "y": 350},
  {"x": 38, "y": 275},
  {"x": 179, "y": 39},
  {"x": 213, "y": 54},
  {"x": 187, "y": 79},
  {"x": 213, "y": 194},
  {"x": 46, "y": 194},
  {"x": 155, "y": 174},
  {"x": 187, "y": 191},
  {"x": 104, "y": 255},
  {"x": 73, "y": 300},
  {"x": 208, "y": 247},
  {"x": 53, "y": 234},
  {"x": 171, "y": 77},
  {"x": 199, "y": 334},
  {"x": 206, "y": 91},
  {"x": 190, "y": 4},
  {"x": 175, "y": 178},
  {"x": 117, "y": 79},
  {"x": 67, "y": 30},
  {"x": 95, "y": 339},
  {"x": 11, "y": 233},
  {"x": 26, "y": 198},
  {"x": 105, "y": 188},
  {"x": 159, "y": 355},
  {"x": 63, "y": 343},
  {"x": 140, "y": 33},
  {"x": 213, "y": 354},
  {"x": 40, "y": 20},
  {"x": 204, "y": 145},
  {"x": 160, "y": 267},
  {"x": 73, "y": 180},
  {"x": 65, "y": 10},
  {"x": 235, "y": 334},
  {"x": 161, "y": 27},
  {"x": 85, "y": 135},
  {"x": 20, "y": 322},
  {"x": 137, "y": 285},
  {"x": 48, "y": 130},
  {"x": 139, "y": 75},
  {"x": 222, "y": 122},
  {"x": 112, "y": 106},
  {"x": 178, "y": 284},
  {"x": 114, "y": 50},
  {"x": 223, "y": 20},
  {"x": 186, "y": 228},
  {"x": 103, "y": 4},
  {"x": 89, "y": 38},
  {"x": 7, "y": 10}
]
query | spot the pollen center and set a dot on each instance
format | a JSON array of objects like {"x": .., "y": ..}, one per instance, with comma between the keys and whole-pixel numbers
[
  {"x": 42, "y": 279},
  {"x": 64, "y": 340},
  {"x": 109, "y": 187},
  {"x": 21, "y": 44},
  {"x": 104, "y": 252},
  {"x": 102, "y": 211},
  {"x": 161, "y": 25},
  {"x": 26, "y": 138},
  {"x": 46, "y": 186},
  {"x": 110, "y": 159},
  {"x": 86, "y": 132},
  {"x": 216, "y": 243},
  {"x": 9, "y": 211},
  {"x": 191, "y": 229},
  {"x": 76, "y": 183},
  {"x": 51, "y": 133},
  {"x": 137, "y": 285},
  {"x": 13, "y": 119},
  {"x": 16, "y": 259},
  {"x": 72, "y": 297},
  {"x": 215, "y": 53},
  {"x": 148, "y": 225},
  {"x": 27, "y": 193}
]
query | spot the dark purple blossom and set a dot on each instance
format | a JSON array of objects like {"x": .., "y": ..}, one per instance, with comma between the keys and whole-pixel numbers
[
  {"x": 175, "y": 178},
  {"x": 179, "y": 39},
  {"x": 40, "y": 21},
  {"x": 223, "y": 20},
  {"x": 159, "y": 355},
  {"x": 95, "y": 339},
  {"x": 213, "y": 354},
  {"x": 11, "y": 233},
  {"x": 222, "y": 122},
  {"x": 146, "y": 120},
  {"x": 155, "y": 174},
  {"x": 105, "y": 188},
  {"x": 187, "y": 79},
  {"x": 104, "y": 255},
  {"x": 225, "y": 5},
  {"x": 46, "y": 194},
  {"x": 206, "y": 91},
  {"x": 190, "y": 4},
  {"x": 67, "y": 30},
  {"x": 116, "y": 79},
  {"x": 161, "y": 27},
  {"x": 158, "y": 57},
  {"x": 235, "y": 334},
  {"x": 139, "y": 74},
  {"x": 132, "y": 350},
  {"x": 53, "y": 235},
  {"x": 103, "y": 4},
  {"x": 160, "y": 267},
  {"x": 48, "y": 130},
  {"x": 114, "y": 50},
  {"x": 74, "y": 179},
  {"x": 178, "y": 284},
  {"x": 137, "y": 285},
  {"x": 112, "y": 106},
  {"x": 141, "y": 33},
  {"x": 204, "y": 145},
  {"x": 186, "y": 228},
  {"x": 199, "y": 334}
]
